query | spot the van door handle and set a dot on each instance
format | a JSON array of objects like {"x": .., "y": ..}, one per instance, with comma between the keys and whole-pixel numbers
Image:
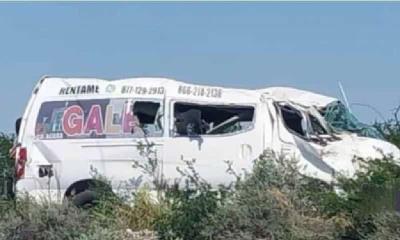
[{"x": 246, "y": 151}]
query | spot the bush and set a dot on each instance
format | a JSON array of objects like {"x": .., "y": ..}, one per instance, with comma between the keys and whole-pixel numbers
[
  {"x": 268, "y": 205},
  {"x": 141, "y": 214},
  {"x": 6, "y": 166},
  {"x": 187, "y": 210},
  {"x": 387, "y": 225},
  {"x": 30, "y": 220},
  {"x": 390, "y": 129},
  {"x": 372, "y": 192}
]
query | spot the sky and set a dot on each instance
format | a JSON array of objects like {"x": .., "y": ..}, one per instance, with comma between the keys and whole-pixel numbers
[{"x": 311, "y": 46}]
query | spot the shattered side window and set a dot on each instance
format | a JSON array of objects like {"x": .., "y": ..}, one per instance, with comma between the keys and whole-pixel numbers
[
  {"x": 149, "y": 115},
  {"x": 195, "y": 119},
  {"x": 293, "y": 119},
  {"x": 98, "y": 118},
  {"x": 341, "y": 119},
  {"x": 315, "y": 126}
]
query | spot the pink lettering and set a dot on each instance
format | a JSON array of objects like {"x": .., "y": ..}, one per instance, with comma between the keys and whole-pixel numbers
[
  {"x": 72, "y": 121},
  {"x": 94, "y": 122}
]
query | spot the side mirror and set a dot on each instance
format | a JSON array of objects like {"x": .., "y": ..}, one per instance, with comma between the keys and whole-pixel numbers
[{"x": 17, "y": 126}]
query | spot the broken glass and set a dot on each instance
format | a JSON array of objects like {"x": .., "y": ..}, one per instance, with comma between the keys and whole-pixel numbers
[
  {"x": 341, "y": 119},
  {"x": 293, "y": 119},
  {"x": 195, "y": 119}
]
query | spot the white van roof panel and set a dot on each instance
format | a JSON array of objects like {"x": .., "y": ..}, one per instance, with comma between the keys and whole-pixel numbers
[
  {"x": 301, "y": 97},
  {"x": 143, "y": 87}
]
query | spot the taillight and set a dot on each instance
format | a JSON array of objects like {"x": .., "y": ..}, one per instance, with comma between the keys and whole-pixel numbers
[{"x": 20, "y": 159}]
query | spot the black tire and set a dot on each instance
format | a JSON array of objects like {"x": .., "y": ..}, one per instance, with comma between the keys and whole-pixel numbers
[
  {"x": 86, "y": 198},
  {"x": 87, "y": 194}
]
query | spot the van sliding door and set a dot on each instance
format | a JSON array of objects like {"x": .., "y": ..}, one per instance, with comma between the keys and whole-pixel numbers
[{"x": 211, "y": 135}]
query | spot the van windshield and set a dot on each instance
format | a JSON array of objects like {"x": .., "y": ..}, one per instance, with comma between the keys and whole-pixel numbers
[
  {"x": 341, "y": 119},
  {"x": 99, "y": 118}
]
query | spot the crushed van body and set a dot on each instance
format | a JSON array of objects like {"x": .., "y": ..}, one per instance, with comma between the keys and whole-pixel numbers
[
  {"x": 334, "y": 139},
  {"x": 72, "y": 126}
]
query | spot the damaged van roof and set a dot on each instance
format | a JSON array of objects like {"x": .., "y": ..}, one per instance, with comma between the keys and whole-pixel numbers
[
  {"x": 172, "y": 87},
  {"x": 302, "y": 97}
]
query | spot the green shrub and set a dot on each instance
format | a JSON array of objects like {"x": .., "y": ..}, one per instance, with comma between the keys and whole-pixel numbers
[
  {"x": 188, "y": 208},
  {"x": 390, "y": 129},
  {"x": 141, "y": 214},
  {"x": 387, "y": 225},
  {"x": 6, "y": 166},
  {"x": 268, "y": 205},
  {"x": 372, "y": 192},
  {"x": 31, "y": 220}
]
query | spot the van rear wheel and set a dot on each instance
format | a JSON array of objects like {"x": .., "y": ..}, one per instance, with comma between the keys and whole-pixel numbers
[
  {"x": 87, "y": 193},
  {"x": 85, "y": 199}
]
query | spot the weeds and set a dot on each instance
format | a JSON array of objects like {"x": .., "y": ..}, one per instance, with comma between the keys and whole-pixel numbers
[
  {"x": 267, "y": 205},
  {"x": 188, "y": 208},
  {"x": 390, "y": 129},
  {"x": 6, "y": 167}
]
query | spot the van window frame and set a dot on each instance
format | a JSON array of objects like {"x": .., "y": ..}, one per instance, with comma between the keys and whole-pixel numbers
[
  {"x": 102, "y": 97},
  {"x": 291, "y": 131},
  {"x": 309, "y": 130},
  {"x": 171, "y": 117}
]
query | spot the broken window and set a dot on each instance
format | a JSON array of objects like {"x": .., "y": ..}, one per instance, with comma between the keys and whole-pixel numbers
[
  {"x": 305, "y": 123},
  {"x": 293, "y": 119},
  {"x": 149, "y": 116},
  {"x": 316, "y": 127},
  {"x": 341, "y": 119},
  {"x": 98, "y": 118},
  {"x": 195, "y": 119}
]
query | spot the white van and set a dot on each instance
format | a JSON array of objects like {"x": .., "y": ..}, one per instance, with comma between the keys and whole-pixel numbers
[{"x": 73, "y": 127}]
